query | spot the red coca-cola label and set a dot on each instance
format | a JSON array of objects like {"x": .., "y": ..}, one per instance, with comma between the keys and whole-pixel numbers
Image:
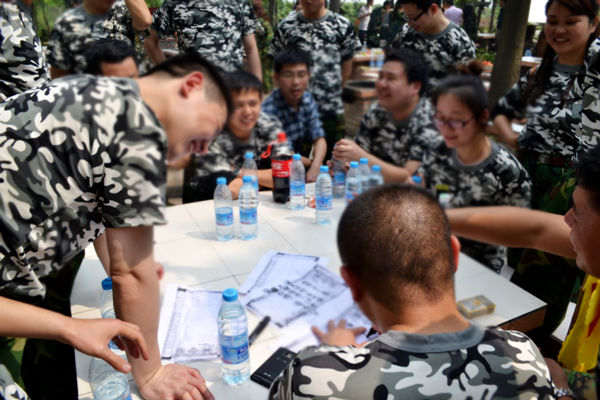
[{"x": 281, "y": 168}]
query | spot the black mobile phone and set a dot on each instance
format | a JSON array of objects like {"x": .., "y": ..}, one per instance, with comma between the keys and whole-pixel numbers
[{"x": 270, "y": 369}]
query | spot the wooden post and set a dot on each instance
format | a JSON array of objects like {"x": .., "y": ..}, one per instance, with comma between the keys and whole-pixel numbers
[{"x": 492, "y": 20}]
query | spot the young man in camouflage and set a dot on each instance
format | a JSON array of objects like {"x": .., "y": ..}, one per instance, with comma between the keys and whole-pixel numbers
[
  {"x": 397, "y": 128},
  {"x": 220, "y": 30},
  {"x": 92, "y": 152},
  {"x": 400, "y": 268},
  {"x": 92, "y": 20},
  {"x": 443, "y": 43},
  {"x": 22, "y": 62},
  {"x": 111, "y": 57},
  {"x": 331, "y": 41},
  {"x": 248, "y": 129}
]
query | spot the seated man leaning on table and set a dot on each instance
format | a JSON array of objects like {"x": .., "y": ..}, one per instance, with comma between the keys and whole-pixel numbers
[
  {"x": 248, "y": 129},
  {"x": 398, "y": 127},
  {"x": 400, "y": 267},
  {"x": 296, "y": 108}
]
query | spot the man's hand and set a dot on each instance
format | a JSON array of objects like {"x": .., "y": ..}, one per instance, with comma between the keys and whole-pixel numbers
[
  {"x": 313, "y": 172},
  {"x": 176, "y": 382},
  {"x": 338, "y": 335},
  {"x": 92, "y": 337},
  {"x": 347, "y": 150},
  {"x": 234, "y": 187}
]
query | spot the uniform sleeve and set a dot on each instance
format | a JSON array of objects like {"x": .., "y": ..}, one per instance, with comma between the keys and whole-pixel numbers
[
  {"x": 513, "y": 104},
  {"x": 514, "y": 181},
  {"x": 217, "y": 160},
  {"x": 161, "y": 20},
  {"x": 349, "y": 41},
  {"x": 251, "y": 23},
  {"x": 424, "y": 138},
  {"x": 278, "y": 41},
  {"x": 366, "y": 129},
  {"x": 467, "y": 48},
  {"x": 57, "y": 53}
]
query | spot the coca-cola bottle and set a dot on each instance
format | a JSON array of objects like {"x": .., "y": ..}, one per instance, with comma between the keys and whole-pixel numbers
[{"x": 281, "y": 160}]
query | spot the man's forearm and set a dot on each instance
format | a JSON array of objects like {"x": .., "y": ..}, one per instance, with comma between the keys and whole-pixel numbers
[
  {"x": 252, "y": 56},
  {"x": 140, "y": 14},
  {"x": 319, "y": 151},
  {"x": 153, "y": 49},
  {"x": 346, "y": 71}
]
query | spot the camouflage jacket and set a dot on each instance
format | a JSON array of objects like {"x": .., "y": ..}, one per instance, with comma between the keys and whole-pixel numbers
[
  {"x": 225, "y": 157},
  {"x": 553, "y": 119},
  {"x": 498, "y": 180},
  {"x": 442, "y": 52},
  {"x": 397, "y": 142},
  {"x": 22, "y": 62},
  {"x": 76, "y": 28},
  {"x": 470, "y": 364},
  {"x": 330, "y": 41},
  {"x": 215, "y": 28},
  {"x": 92, "y": 156}
]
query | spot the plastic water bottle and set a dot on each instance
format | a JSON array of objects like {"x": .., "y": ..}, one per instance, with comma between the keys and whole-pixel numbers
[
  {"x": 248, "y": 207},
  {"x": 323, "y": 196},
  {"x": 223, "y": 210},
  {"x": 107, "y": 383},
  {"x": 364, "y": 173},
  {"x": 233, "y": 339},
  {"x": 528, "y": 53},
  {"x": 352, "y": 182},
  {"x": 107, "y": 309},
  {"x": 249, "y": 168},
  {"x": 297, "y": 183},
  {"x": 417, "y": 180},
  {"x": 380, "y": 59},
  {"x": 339, "y": 177},
  {"x": 375, "y": 179}
]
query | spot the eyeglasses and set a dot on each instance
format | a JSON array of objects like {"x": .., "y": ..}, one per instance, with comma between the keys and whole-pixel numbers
[
  {"x": 451, "y": 123},
  {"x": 413, "y": 20}
]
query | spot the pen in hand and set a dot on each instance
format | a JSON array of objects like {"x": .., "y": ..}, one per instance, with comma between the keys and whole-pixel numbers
[{"x": 259, "y": 328}]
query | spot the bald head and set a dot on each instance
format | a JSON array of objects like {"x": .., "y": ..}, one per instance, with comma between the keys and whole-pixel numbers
[{"x": 396, "y": 240}]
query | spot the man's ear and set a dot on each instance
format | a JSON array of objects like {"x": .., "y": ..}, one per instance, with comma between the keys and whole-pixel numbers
[
  {"x": 455, "y": 244},
  {"x": 356, "y": 287},
  {"x": 192, "y": 81},
  {"x": 416, "y": 86}
]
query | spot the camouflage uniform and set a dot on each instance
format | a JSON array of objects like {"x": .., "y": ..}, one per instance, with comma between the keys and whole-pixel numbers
[
  {"x": 225, "y": 158},
  {"x": 470, "y": 364},
  {"x": 215, "y": 28},
  {"x": 442, "y": 52},
  {"x": 22, "y": 62},
  {"x": 587, "y": 88},
  {"x": 397, "y": 142},
  {"x": 553, "y": 131},
  {"x": 92, "y": 154},
  {"x": 498, "y": 180},
  {"x": 330, "y": 40},
  {"x": 75, "y": 29}
]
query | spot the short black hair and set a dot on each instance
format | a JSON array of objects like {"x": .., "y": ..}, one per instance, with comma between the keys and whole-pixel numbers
[
  {"x": 469, "y": 90},
  {"x": 190, "y": 61},
  {"x": 292, "y": 55},
  {"x": 396, "y": 238},
  {"x": 423, "y": 4},
  {"x": 588, "y": 174},
  {"x": 242, "y": 81},
  {"x": 451, "y": 2},
  {"x": 415, "y": 68},
  {"x": 108, "y": 51}
]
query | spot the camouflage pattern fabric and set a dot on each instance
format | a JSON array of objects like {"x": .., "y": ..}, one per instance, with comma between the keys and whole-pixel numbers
[
  {"x": 264, "y": 35},
  {"x": 552, "y": 119},
  {"x": 214, "y": 28},
  {"x": 587, "y": 87},
  {"x": 470, "y": 364},
  {"x": 225, "y": 157},
  {"x": 22, "y": 62},
  {"x": 92, "y": 156},
  {"x": 330, "y": 41},
  {"x": 498, "y": 180},
  {"x": 397, "y": 142},
  {"x": 583, "y": 384},
  {"x": 76, "y": 28},
  {"x": 442, "y": 52}
]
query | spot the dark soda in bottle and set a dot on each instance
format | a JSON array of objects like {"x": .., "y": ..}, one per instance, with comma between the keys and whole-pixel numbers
[{"x": 281, "y": 160}]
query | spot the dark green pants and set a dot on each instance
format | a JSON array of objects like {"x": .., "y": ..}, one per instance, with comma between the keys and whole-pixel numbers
[
  {"x": 46, "y": 368},
  {"x": 335, "y": 129}
]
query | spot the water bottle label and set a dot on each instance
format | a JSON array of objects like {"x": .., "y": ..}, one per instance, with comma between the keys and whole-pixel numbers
[
  {"x": 224, "y": 217},
  {"x": 234, "y": 349},
  {"x": 297, "y": 188},
  {"x": 248, "y": 216},
  {"x": 339, "y": 178},
  {"x": 281, "y": 168},
  {"x": 323, "y": 202}
]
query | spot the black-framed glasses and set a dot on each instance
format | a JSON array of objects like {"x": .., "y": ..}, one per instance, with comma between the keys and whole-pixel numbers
[
  {"x": 451, "y": 123},
  {"x": 413, "y": 20}
]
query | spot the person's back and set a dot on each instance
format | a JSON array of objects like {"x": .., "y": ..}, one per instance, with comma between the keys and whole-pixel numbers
[{"x": 400, "y": 268}]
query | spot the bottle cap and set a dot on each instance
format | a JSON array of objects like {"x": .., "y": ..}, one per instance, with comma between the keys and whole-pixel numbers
[
  {"x": 230, "y": 294},
  {"x": 417, "y": 179},
  {"x": 363, "y": 161},
  {"x": 107, "y": 284},
  {"x": 281, "y": 137},
  {"x": 376, "y": 168},
  {"x": 296, "y": 156},
  {"x": 353, "y": 164},
  {"x": 246, "y": 179},
  {"x": 249, "y": 154},
  {"x": 221, "y": 180},
  {"x": 324, "y": 168}
]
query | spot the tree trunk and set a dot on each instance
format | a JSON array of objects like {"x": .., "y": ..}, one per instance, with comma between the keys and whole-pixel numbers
[
  {"x": 492, "y": 15},
  {"x": 335, "y": 5},
  {"x": 509, "y": 49},
  {"x": 273, "y": 13}
]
